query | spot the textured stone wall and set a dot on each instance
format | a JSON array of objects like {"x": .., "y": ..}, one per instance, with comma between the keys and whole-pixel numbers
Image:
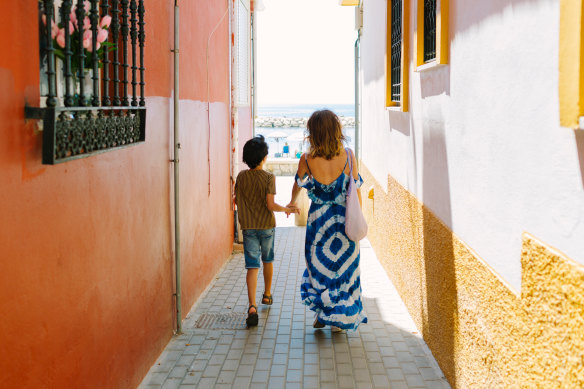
[
  {"x": 282, "y": 166},
  {"x": 481, "y": 332}
]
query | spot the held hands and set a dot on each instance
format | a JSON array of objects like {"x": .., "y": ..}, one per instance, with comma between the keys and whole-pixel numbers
[{"x": 291, "y": 208}]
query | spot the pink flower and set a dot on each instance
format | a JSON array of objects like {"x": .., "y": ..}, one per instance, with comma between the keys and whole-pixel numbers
[
  {"x": 102, "y": 35},
  {"x": 105, "y": 21},
  {"x": 86, "y": 23},
  {"x": 54, "y": 27},
  {"x": 55, "y": 30},
  {"x": 61, "y": 38},
  {"x": 87, "y": 39},
  {"x": 73, "y": 18},
  {"x": 87, "y": 6},
  {"x": 97, "y": 46}
]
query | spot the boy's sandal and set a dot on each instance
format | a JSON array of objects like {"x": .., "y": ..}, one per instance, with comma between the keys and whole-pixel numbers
[
  {"x": 318, "y": 324},
  {"x": 269, "y": 299},
  {"x": 252, "y": 318}
]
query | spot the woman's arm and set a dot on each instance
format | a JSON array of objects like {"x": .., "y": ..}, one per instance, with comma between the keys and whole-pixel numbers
[
  {"x": 275, "y": 207},
  {"x": 300, "y": 172},
  {"x": 295, "y": 191}
]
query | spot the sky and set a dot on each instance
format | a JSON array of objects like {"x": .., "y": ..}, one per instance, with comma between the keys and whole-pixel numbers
[{"x": 305, "y": 52}]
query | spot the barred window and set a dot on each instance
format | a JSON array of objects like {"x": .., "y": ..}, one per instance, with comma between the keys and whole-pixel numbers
[
  {"x": 429, "y": 30},
  {"x": 92, "y": 77},
  {"x": 397, "y": 54},
  {"x": 431, "y": 33},
  {"x": 396, "y": 49}
]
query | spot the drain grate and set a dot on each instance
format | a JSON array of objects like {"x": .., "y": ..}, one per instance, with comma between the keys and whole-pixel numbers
[{"x": 221, "y": 321}]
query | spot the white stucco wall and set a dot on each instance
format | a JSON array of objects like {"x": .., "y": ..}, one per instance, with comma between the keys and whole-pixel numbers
[{"x": 481, "y": 145}]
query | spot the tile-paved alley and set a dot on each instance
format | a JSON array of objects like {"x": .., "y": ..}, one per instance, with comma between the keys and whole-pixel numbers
[{"x": 284, "y": 351}]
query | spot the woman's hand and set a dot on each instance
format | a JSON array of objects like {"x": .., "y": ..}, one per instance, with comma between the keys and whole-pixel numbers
[{"x": 291, "y": 208}]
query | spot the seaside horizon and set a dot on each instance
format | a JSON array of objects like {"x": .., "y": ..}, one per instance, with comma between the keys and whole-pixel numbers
[{"x": 291, "y": 135}]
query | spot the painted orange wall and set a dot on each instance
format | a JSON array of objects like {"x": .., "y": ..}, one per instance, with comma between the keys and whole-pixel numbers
[{"x": 86, "y": 246}]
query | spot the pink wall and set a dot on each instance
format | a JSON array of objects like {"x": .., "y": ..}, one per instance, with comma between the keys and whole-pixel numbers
[{"x": 87, "y": 246}]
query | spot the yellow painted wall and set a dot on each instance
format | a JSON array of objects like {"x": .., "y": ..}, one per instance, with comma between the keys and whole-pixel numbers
[
  {"x": 481, "y": 333},
  {"x": 571, "y": 62}
]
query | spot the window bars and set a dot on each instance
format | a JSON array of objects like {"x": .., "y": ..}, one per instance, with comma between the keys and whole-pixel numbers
[
  {"x": 429, "y": 30},
  {"x": 82, "y": 116},
  {"x": 396, "y": 49}
]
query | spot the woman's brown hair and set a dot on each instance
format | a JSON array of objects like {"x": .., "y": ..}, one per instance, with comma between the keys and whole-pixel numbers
[{"x": 325, "y": 134}]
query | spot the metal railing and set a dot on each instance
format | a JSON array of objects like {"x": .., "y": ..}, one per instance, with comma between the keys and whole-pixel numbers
[
  {"x": 82, "y": 118},
  {"x": 396, "y": 48},
  {"x": 429, "y": 30}
]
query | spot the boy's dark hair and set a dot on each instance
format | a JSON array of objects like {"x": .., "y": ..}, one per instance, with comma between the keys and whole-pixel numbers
[{"x": 254, "y": 151}]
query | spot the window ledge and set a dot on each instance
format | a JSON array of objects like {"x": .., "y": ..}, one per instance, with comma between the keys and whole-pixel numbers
[{"x": 429, "y": 66}]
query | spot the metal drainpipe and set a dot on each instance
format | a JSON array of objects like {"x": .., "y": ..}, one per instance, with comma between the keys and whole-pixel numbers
[
  {"x": 357, "y": 60},
  {"x": 253, "y": 71},
  {"x": 176, "y": 173}
]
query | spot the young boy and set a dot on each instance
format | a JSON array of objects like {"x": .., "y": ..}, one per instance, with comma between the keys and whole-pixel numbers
[{"x": 254, "y": 195}]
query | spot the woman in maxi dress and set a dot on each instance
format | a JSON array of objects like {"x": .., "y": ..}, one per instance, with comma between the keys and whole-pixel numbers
[{"x": 331, "y": 283}]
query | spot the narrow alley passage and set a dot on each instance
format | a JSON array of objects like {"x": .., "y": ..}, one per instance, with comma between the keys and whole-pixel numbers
[{"x": 284, "y": 351}]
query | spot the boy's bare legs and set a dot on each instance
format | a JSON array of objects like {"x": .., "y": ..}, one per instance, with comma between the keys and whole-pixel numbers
[
  {"x": 252, "y": 283},
  {"x": 268, "y": 272}
]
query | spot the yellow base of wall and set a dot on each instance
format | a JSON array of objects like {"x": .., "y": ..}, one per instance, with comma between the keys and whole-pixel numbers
[{"x": 481, "y": 333}]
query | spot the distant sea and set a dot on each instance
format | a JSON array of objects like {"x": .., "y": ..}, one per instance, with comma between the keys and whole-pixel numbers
[{"x": 276, "y": 144}]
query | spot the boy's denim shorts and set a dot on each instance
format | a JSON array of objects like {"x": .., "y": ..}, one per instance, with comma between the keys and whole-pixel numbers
[{"x": 258, "y": 244}]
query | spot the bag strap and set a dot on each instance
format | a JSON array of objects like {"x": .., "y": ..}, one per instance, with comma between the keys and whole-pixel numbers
[{"x": 350, "y": 160}]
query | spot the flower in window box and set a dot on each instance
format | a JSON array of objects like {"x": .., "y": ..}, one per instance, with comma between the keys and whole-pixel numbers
[{"x": 81, "y": 32}]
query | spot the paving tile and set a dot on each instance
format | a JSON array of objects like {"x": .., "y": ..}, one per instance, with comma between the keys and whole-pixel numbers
[
  {"x": 395, "y": 374},
  {"x": 345, "y": 382},
  {"x": 398, "y": 384},
  {"x": 310, "y": 382},
  {"x": 411, "y": 368},
  {"x": 226, "y": 377},
  {"x": 245, "y": 371},
  {"x": 295, "y": 363},
  {"x": 415, "y": 381},
  {"x": 206, "y": 383},
  {"x": 276, "y": 383},
  {"x": 280, "y": 359},
  {"x": 380, "y": 381},
  {"x": 260, "y": 376},
  {"x": 178, "y": 372},
  {"x": 217, "y": 359},
  {"x": 192, "y": 378},
  {"x": 293, "y": 376},
  {"x": 327, "y": 375},
  {"x": 437, "y": 384},
  {"x": 428, "y": 373},
  {"x": 278, "y": 370},
  {"x": 211, "y": 371}
]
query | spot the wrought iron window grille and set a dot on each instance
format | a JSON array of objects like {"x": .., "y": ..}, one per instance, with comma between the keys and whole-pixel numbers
[
  {"x": 86, "y": 112},
  {"x": 396, "y": 49},
  {"x": 429, "y": 30}
]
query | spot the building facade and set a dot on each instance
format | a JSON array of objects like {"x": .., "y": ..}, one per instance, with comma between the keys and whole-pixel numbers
[
  {"x": 87, "y": 246},
  {"x": 473, "y": 157}
]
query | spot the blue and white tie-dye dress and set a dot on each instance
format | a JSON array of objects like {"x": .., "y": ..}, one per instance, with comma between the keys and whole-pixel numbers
[{"x": 331, "y": 284}]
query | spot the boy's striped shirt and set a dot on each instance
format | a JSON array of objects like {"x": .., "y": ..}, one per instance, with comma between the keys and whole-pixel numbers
[{"x": 251, "y": 189}]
